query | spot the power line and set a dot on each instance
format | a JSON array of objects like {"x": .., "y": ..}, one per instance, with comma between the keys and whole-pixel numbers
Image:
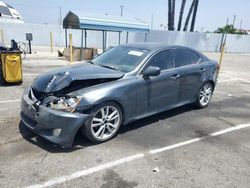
[{"x": 31, "y": 5}]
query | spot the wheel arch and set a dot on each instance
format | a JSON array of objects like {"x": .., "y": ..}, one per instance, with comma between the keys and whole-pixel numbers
[
  {"x": 85, "y": 128},
  {"x": 120, "y": 106},
  {"x": 211, "y": 81}
]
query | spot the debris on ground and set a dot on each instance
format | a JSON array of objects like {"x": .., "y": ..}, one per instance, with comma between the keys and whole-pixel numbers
[
  {"x": 2, "y": 120},
  {"x": 156, "y": 169},
  {"x": 60, "y": 52}
]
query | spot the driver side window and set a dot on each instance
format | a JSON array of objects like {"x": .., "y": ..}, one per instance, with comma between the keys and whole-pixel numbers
[{"x": 163, "y": 60}]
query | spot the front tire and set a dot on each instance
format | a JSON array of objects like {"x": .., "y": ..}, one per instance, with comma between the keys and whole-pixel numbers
[
  {"x": 104, "y": 123},
  {"x": 205, "y": 95}
]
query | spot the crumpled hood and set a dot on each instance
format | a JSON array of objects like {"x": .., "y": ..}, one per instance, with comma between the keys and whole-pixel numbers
[{"x": 61, "y": 78}]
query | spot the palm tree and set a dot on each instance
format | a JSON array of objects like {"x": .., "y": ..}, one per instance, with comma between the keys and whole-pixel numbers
[
  {"x": 189, "y": 15},
  {"x": 181, "y": 14},
  {"x": 194, "y": 15},
  {"x": 172, "y": 14},
  {"x": 169, "y": 13},
  {"x": 227, "y": 29}
]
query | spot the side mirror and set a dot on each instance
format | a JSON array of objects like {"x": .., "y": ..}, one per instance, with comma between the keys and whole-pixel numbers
[{"x": 151, "y": 71}]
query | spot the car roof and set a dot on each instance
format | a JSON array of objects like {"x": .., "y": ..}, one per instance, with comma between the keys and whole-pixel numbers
[{"x": 152, "y": 46}]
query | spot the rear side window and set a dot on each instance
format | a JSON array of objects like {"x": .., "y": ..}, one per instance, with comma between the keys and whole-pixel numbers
[
  {"x": 185, "y": 57},
  {"x": 164, "y": 60}
]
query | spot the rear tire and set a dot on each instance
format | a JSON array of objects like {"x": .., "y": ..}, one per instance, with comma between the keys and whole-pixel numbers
[
  {"x": 104, "y": 123},
  {"x": 204, "y": 95}
]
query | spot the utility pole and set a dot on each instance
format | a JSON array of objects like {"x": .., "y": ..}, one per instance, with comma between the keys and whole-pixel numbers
[
  {"x": 224, "y": 37},
  {"x": 60, "y": 12},
  {"x": 152, "y": 22},
  {"x": 241, "y": 24},
  {"x": 121, "y": 10},
  {"x": 234, "y": 20}
]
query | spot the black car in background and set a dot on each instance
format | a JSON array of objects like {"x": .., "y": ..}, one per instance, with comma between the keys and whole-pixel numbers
[{"x": 123, "y": 84}]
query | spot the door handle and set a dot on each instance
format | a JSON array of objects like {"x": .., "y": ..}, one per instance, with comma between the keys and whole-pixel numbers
[
  {"x": 175, "y": 77},
  {"x": 202, "y": 70}
]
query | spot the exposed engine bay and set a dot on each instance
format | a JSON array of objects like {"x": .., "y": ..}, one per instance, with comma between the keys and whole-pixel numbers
[{"x": 62, "y": 100}]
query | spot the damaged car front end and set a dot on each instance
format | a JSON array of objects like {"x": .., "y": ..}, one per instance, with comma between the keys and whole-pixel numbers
[
  {"x": 56, "y": 123},
  {"x": 49, "y": 108}
]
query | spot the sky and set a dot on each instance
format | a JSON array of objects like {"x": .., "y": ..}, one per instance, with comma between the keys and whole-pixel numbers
[{"x": 211, "y": 13}]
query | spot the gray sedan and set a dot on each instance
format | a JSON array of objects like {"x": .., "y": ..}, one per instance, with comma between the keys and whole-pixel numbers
[{"x": 124, "y": 84}]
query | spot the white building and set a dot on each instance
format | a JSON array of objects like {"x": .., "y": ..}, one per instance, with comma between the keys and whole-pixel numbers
[{"x": 9, "y": 14}]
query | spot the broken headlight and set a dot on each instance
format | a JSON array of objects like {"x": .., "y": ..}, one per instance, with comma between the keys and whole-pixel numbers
[{"x": 67, "y": 104}]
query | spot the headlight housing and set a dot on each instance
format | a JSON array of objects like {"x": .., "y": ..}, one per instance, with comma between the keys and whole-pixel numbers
[{"x": 66, "y": 104}]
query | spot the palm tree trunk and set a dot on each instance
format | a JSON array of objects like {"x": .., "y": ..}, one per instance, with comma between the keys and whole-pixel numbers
[
  {"x": 172, "y": 14},
  {"x": 169, "y": 14},
  {"x": 189, "y": 15},
  {"x": 181, "y": 14},
  {"x": 194, "y": 15}
]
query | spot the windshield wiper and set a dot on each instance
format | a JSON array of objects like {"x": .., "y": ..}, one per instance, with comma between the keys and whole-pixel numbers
[
  {"x": 105, "y": 66},
  {"x": 91, "y": 62},
  {"x": 108, "y": 66}
]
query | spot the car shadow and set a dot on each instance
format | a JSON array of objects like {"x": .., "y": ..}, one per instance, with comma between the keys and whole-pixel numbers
[
  {"x": 10, "y": 84},
  {"x": 81, "y": 142},
  {"x": 155, "y": 118}
]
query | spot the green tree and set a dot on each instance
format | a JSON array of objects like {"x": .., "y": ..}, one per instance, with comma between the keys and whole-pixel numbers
[
  {"x": 230, "y": 30},
  {"x": 227, "y": 29}
]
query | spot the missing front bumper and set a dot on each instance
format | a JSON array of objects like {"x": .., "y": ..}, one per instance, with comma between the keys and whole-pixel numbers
[{"x": 45, "y": 122}]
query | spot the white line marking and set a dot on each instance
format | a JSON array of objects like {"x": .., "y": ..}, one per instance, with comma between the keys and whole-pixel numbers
[
  {"x": 9, "y": 101},
  {"x": 230, "y": 129},
  {"x": 159, "y": 150},
  {"x": 87, "y": 171},
  {"x": 111, "y": 164}
]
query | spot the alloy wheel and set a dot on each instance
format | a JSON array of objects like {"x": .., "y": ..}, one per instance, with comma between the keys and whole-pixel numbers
[
  {"x": 205, "y": 94},
  {"x": 105, "y": 123}
]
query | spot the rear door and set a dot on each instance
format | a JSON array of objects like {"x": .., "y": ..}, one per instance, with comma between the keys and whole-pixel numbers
[
  {"x": 158, "y": 92},
  {"x": 188, "y": 63}
]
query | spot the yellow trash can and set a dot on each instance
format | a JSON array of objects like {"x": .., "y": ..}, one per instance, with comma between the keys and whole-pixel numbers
[{"x": 11, "y": 67}]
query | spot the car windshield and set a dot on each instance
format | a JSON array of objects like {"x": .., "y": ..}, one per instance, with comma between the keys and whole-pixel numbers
[{"x": 121, "y": 58}]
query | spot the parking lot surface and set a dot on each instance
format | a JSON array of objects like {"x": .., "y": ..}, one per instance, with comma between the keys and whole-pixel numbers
[{"x": 183, "y": 147}]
